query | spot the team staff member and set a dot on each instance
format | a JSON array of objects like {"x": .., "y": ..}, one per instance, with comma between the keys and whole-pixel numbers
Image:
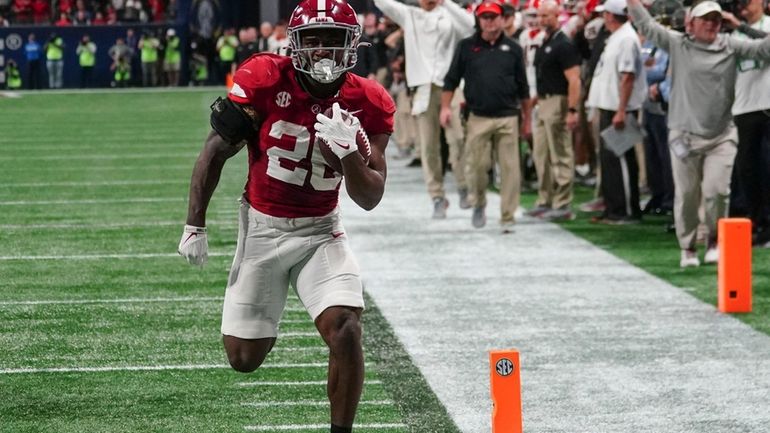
[
  {"x": 496, "y": 93},
  {"x": 702, "y": 137},
  {"x": 431, "y": 33},
  {"x": 557, "y": 71},
  {"x": 618, "y": 89}
]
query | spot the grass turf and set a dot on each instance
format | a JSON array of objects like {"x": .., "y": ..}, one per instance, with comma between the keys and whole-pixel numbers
[{"x": 107, "y": 174}]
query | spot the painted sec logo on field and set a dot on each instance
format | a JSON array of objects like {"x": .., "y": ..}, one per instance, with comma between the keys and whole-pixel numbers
[{"x": 504, "y": 367}]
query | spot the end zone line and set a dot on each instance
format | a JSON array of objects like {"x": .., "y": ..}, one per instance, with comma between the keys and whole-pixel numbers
[
  {"x": 292, "y": 309},
  {"x": 312, "y": 403},
  {"x": 289, "y": 427},
  {"x": 149, "y": 368}
]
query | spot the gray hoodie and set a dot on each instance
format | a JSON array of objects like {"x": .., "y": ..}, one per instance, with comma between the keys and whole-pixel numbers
[{"x": 702, "y": 76}]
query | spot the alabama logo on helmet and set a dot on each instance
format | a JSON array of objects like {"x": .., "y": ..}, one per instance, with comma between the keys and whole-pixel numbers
[{"x": 324, "y": 15}]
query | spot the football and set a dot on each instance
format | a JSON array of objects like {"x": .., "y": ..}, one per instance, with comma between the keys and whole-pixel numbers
[{"x": 362, "y": 141}]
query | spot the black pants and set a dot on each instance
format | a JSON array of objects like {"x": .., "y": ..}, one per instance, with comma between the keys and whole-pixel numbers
[
  {"x": 658, "y": 158},
  {"x": 33, "y": 75},
  {"x": 620, "y": 177},
  {"x": 85, "y": 76},
  {"x": 751, "y": 177}
]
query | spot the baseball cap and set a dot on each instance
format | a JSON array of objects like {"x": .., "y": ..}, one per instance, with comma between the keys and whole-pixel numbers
[
  {"x": 615, "y": 7},
  {"x": 704, "y": 8},
  {"x": 489, "y": 7}
]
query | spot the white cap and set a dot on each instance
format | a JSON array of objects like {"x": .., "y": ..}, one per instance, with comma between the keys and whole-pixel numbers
[
  {"x": 704, "y": 8},
  {"x": 615, "y": 7},
  {"x": 170, "y": 32}
]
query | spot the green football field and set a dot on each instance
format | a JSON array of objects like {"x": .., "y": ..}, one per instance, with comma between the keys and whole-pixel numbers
[{"x": 104, "y": 328}]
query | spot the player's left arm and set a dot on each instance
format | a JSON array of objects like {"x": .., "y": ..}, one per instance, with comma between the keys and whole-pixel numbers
[{"x": 366, "y": 183}]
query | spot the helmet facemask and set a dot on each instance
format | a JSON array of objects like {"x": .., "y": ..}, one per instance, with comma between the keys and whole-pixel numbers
[{"x": 324, "y": 51}]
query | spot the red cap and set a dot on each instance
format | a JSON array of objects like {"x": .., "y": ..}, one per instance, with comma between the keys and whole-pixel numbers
[{"x": 489, "y": 7}]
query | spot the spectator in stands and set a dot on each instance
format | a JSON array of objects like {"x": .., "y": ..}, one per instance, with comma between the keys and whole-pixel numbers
[
  {"x": 265, "y": 33},
  {"x": 22, "y": 11},
  {"x": 148, "y": 48},
  {"x": 4, "y": 22},
  {"x": 431, "y": 34},
  {"x": 13, "y": 75},
  {"x": 34, "y": 54},
  {"x": 618, "y": 90},
  {"x": 557, "y": 74},
  {"x": 81, "y": 16},
  {"x": 497, "y": 95},
  {"x": 99, "y": 19},
  {"x": 41, "y": 11},
  {"x": 227, "y": 44},
  {"x": 172, "y": 58},
  {"x": 63, "y": 21},
  {"x": 86, "y": 52},
  {"x": 702, "y": 137},
  {"x": 54, "y": 55}
]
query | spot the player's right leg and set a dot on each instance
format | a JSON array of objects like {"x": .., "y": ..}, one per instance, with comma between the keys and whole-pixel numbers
[{"x": 255, "y": 296}]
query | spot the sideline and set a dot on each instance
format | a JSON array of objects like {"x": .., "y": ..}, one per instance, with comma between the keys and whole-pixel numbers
[{"x": 605, "y": 346}]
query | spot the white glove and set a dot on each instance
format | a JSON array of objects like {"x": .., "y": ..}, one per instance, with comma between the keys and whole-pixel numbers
[
  {"x": 194, "y": 245},
  {"x": 338, "y": 133}
]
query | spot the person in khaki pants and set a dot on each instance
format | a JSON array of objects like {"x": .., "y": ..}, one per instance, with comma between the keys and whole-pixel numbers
[
  {"x": 431, "y": 32},
  {"x": 702, "y": 138},
  {"x": 496, "y": 93},
  {"x": 557, "y": 68}
]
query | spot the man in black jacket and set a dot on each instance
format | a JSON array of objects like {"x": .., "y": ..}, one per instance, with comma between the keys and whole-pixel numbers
[{"x": 496, "y": 94}]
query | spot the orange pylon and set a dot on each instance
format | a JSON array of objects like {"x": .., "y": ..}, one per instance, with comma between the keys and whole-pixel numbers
[
  {"x": 505, "y": 387},
  {"x": 734, "y": 295}
]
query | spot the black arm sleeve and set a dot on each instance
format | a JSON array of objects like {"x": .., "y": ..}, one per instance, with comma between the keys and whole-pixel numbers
[
  {"x": 456, "y": 69},
  {"x": 231, "y": 122},
  {"x": 751, "y": 32}
]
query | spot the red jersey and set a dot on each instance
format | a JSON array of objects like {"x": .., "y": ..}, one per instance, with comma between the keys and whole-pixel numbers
[{"x": 288, "y": 176}]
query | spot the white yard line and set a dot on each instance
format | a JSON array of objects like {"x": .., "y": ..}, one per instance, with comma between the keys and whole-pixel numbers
[
  {"x": 290, "y": 308},
  {"x": 298, "y": 383},
  {"x": 100, "y": 183},
  {"x": 291, "y": 427},
  {"x": 133, "y": 224},
  {"x": 93, "y": 201},
  {"x": 111, "y": 157},
  {"x": 148, "y": 368},
  {"x": 312, "y": 403},
  {"x": 105, "y": 256},
  {"x": 114, "y": 301},
  {"x": 133, "y": 168}
]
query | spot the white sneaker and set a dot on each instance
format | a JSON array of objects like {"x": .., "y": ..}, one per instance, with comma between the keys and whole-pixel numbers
[
  {"x": 689, "y": 259},
  {"x": 712, "y": 255}
]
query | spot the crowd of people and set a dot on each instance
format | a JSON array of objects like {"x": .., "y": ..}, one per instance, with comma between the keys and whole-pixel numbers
[
  {"x": 85, "y": 12},
  {"x": 658, "y": 99}
]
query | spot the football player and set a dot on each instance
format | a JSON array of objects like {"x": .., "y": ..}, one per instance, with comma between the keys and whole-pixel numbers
[{"x": 290, "y": 231}]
